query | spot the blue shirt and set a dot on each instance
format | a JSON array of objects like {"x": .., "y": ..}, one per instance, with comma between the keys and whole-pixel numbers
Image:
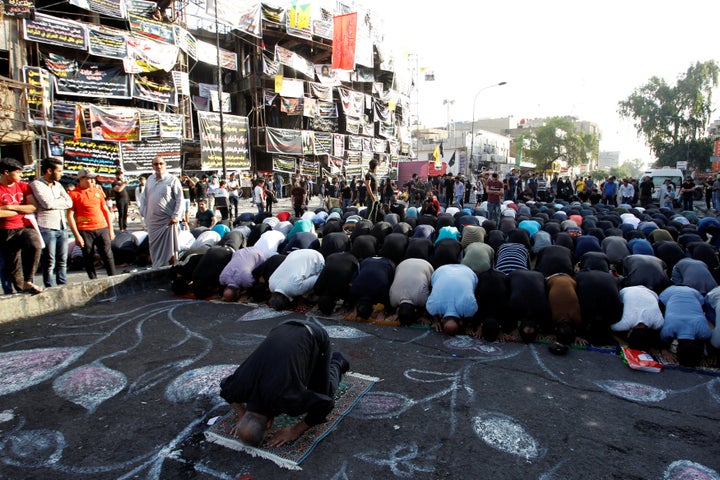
[
  {"x": 684, "y": 315},
  {"x": 453, "y": 292}
]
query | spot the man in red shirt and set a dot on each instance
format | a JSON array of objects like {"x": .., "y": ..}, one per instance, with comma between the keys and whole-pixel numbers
[
  {"x": 89, "y": 220},
  {"x": 494, "y": 189},
  {"x": 21, "y": 242}
]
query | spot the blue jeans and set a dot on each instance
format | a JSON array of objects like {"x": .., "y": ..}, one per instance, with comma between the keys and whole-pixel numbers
[
  {"x": 234, "y": 202},
  {"x": 261, "y": 207},
  {"x": 494, "y": 212},
  {"x": 53, "y": 262}
]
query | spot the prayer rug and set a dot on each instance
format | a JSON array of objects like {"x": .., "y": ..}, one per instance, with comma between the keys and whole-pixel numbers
[{"x": 352, "y": 387}]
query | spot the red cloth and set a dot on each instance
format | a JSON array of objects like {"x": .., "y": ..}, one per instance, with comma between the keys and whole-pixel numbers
[
  {"x": 494, "y": 189},
  {"x": 15, "y": 194},
  {"x": 344, "y": 35},
  {"x": 283, "y": 216}
]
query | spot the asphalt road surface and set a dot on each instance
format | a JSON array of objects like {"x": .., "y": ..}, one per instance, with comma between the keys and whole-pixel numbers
[{"x": 125, "y": 389}]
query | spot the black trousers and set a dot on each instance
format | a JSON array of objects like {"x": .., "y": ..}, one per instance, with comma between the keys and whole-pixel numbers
[
  {"x": 21, "y": 251},
  {"x": 100, "y": 239},
  {"x": 122, "y": 211}
]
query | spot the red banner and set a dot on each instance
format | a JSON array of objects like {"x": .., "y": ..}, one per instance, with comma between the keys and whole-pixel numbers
[
  {"x": 717, "y": 148},
  {"x": 344, "y": 35}
]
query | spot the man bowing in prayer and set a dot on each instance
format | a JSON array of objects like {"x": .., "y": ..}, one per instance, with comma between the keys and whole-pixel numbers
[
  {"x": 161, "y": 204},
  {"x": 292, "y": 371}
]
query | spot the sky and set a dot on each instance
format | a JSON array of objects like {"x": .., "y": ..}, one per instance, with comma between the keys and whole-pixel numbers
[{"x": 558, "y": 57}]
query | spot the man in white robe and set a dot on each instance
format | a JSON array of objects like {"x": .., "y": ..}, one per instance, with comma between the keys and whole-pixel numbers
[{"x": 161, "y": 206}]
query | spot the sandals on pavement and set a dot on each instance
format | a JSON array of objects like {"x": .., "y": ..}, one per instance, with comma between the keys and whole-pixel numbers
[{"x": 33, "y": 289}]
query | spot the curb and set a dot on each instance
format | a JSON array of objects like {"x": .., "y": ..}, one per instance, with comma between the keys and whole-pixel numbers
[{"x": 59, "y": 299}]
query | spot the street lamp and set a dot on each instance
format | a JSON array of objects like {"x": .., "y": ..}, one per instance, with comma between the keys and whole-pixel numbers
[
  {"x": 472, "y": 128},
  {"x": 448, "y": 103}
]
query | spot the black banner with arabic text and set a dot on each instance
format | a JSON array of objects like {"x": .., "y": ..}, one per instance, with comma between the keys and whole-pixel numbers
[
  {"x": 55, "y": 31},
  {"x": 155, "y": 89},
  {"x": 137, "y": 157},
  {"x": 100, "y": 156},
  {"x": 19, "y": 8},
  {"x": 106, "y": 44},
  {"x": 236, "y": 133},
  {"x": 90, "y": 80},
  {"x": 281, "y": 140}
]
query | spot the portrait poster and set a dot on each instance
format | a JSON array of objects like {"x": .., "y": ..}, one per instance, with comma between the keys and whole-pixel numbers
[{"x": 114, "y": 123}]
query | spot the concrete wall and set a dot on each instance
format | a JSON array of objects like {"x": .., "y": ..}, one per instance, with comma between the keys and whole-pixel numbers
[{"x": 71, "y": 296}]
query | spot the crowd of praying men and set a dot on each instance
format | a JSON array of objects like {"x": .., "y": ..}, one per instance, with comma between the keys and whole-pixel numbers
[{"x": 583, "y": 273}]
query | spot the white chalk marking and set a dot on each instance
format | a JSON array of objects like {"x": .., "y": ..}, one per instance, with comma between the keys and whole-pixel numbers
[
  {"x": 685, "y": 469},
  {"x": 203, "y": 381},
  {"x": 336, "y": 331},
  {"x": 21, "y": 369},
  {"x": 262, "y": 313},
  {"x": 637, "y": 392},
  {"x": 90, "y": 385},
  {"x": 401, "y": 459},
  {"x": 505, "y": 434}
]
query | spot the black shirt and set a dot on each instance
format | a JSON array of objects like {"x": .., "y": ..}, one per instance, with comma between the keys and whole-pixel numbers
[
  {"x": 287, "y": 373},
  {"x": 336, "y": 275},
  {"x": 373, "y": 280},
  {"x": 205, "y": 218}
]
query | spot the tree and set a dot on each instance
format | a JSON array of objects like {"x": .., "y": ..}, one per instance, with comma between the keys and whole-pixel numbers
[
  {"x": 673, "y": 120},
  {"x": 635, "y": 167},
  {"x": 559, "y": 139}
]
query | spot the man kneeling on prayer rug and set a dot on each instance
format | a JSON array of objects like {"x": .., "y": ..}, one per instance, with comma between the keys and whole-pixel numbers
[{"x": 292, "y": 371}]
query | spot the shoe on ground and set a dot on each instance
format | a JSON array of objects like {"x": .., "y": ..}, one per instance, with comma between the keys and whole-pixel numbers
[{"x": 344, "y": 364}]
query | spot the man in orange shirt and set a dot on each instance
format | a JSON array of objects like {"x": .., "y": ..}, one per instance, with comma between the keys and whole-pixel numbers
[{"x": 89, "y": 220}]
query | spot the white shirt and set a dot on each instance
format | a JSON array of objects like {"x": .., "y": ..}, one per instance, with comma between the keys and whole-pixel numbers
[
  {"x": 298, "y": 273},
  {"x": 640, "y": 305},
  {"x": 232, "y": 186}
]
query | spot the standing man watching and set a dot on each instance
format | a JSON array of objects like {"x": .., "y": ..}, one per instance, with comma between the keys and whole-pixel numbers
[
  {"x": 162, "y": 207},
  {"x": 646, "y": 191},
  {"x": 233, "y": 188},
  {"x": 89, "y": 220},
  {"x": 688, "y": 193},
  {"x": 371, "y": 188},
  {"x": 52, "y": 204},
  {"x": 259, "y": 195},
  {"x": 122, "y": 199},
  {"x": 21, "y": 243},
  {"x": 494, "y": 190}
]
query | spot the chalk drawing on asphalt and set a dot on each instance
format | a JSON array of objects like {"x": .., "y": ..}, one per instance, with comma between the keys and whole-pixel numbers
[
  {"x": 262, "y": 313},
  {"x": 686, "y": 470},
  {"x": 7, "y": 416},
  {"x": 376, "y": 405},
  {"x": 242, "y": 339},
  {"x": 505, "y": 434},
  {"x": 342, "y": 473},
  {"x": 21, "y": 369},
  {"x": 340, "y": 331},
  {"x": 403, "y": 460},
  {"x": 200, "y": 382},
  {"x": 637, "y": 392},
  {"x": 89, "y": 385}
]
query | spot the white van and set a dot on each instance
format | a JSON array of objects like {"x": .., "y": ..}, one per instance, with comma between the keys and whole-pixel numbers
[{"x": 659, "y": 175}]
